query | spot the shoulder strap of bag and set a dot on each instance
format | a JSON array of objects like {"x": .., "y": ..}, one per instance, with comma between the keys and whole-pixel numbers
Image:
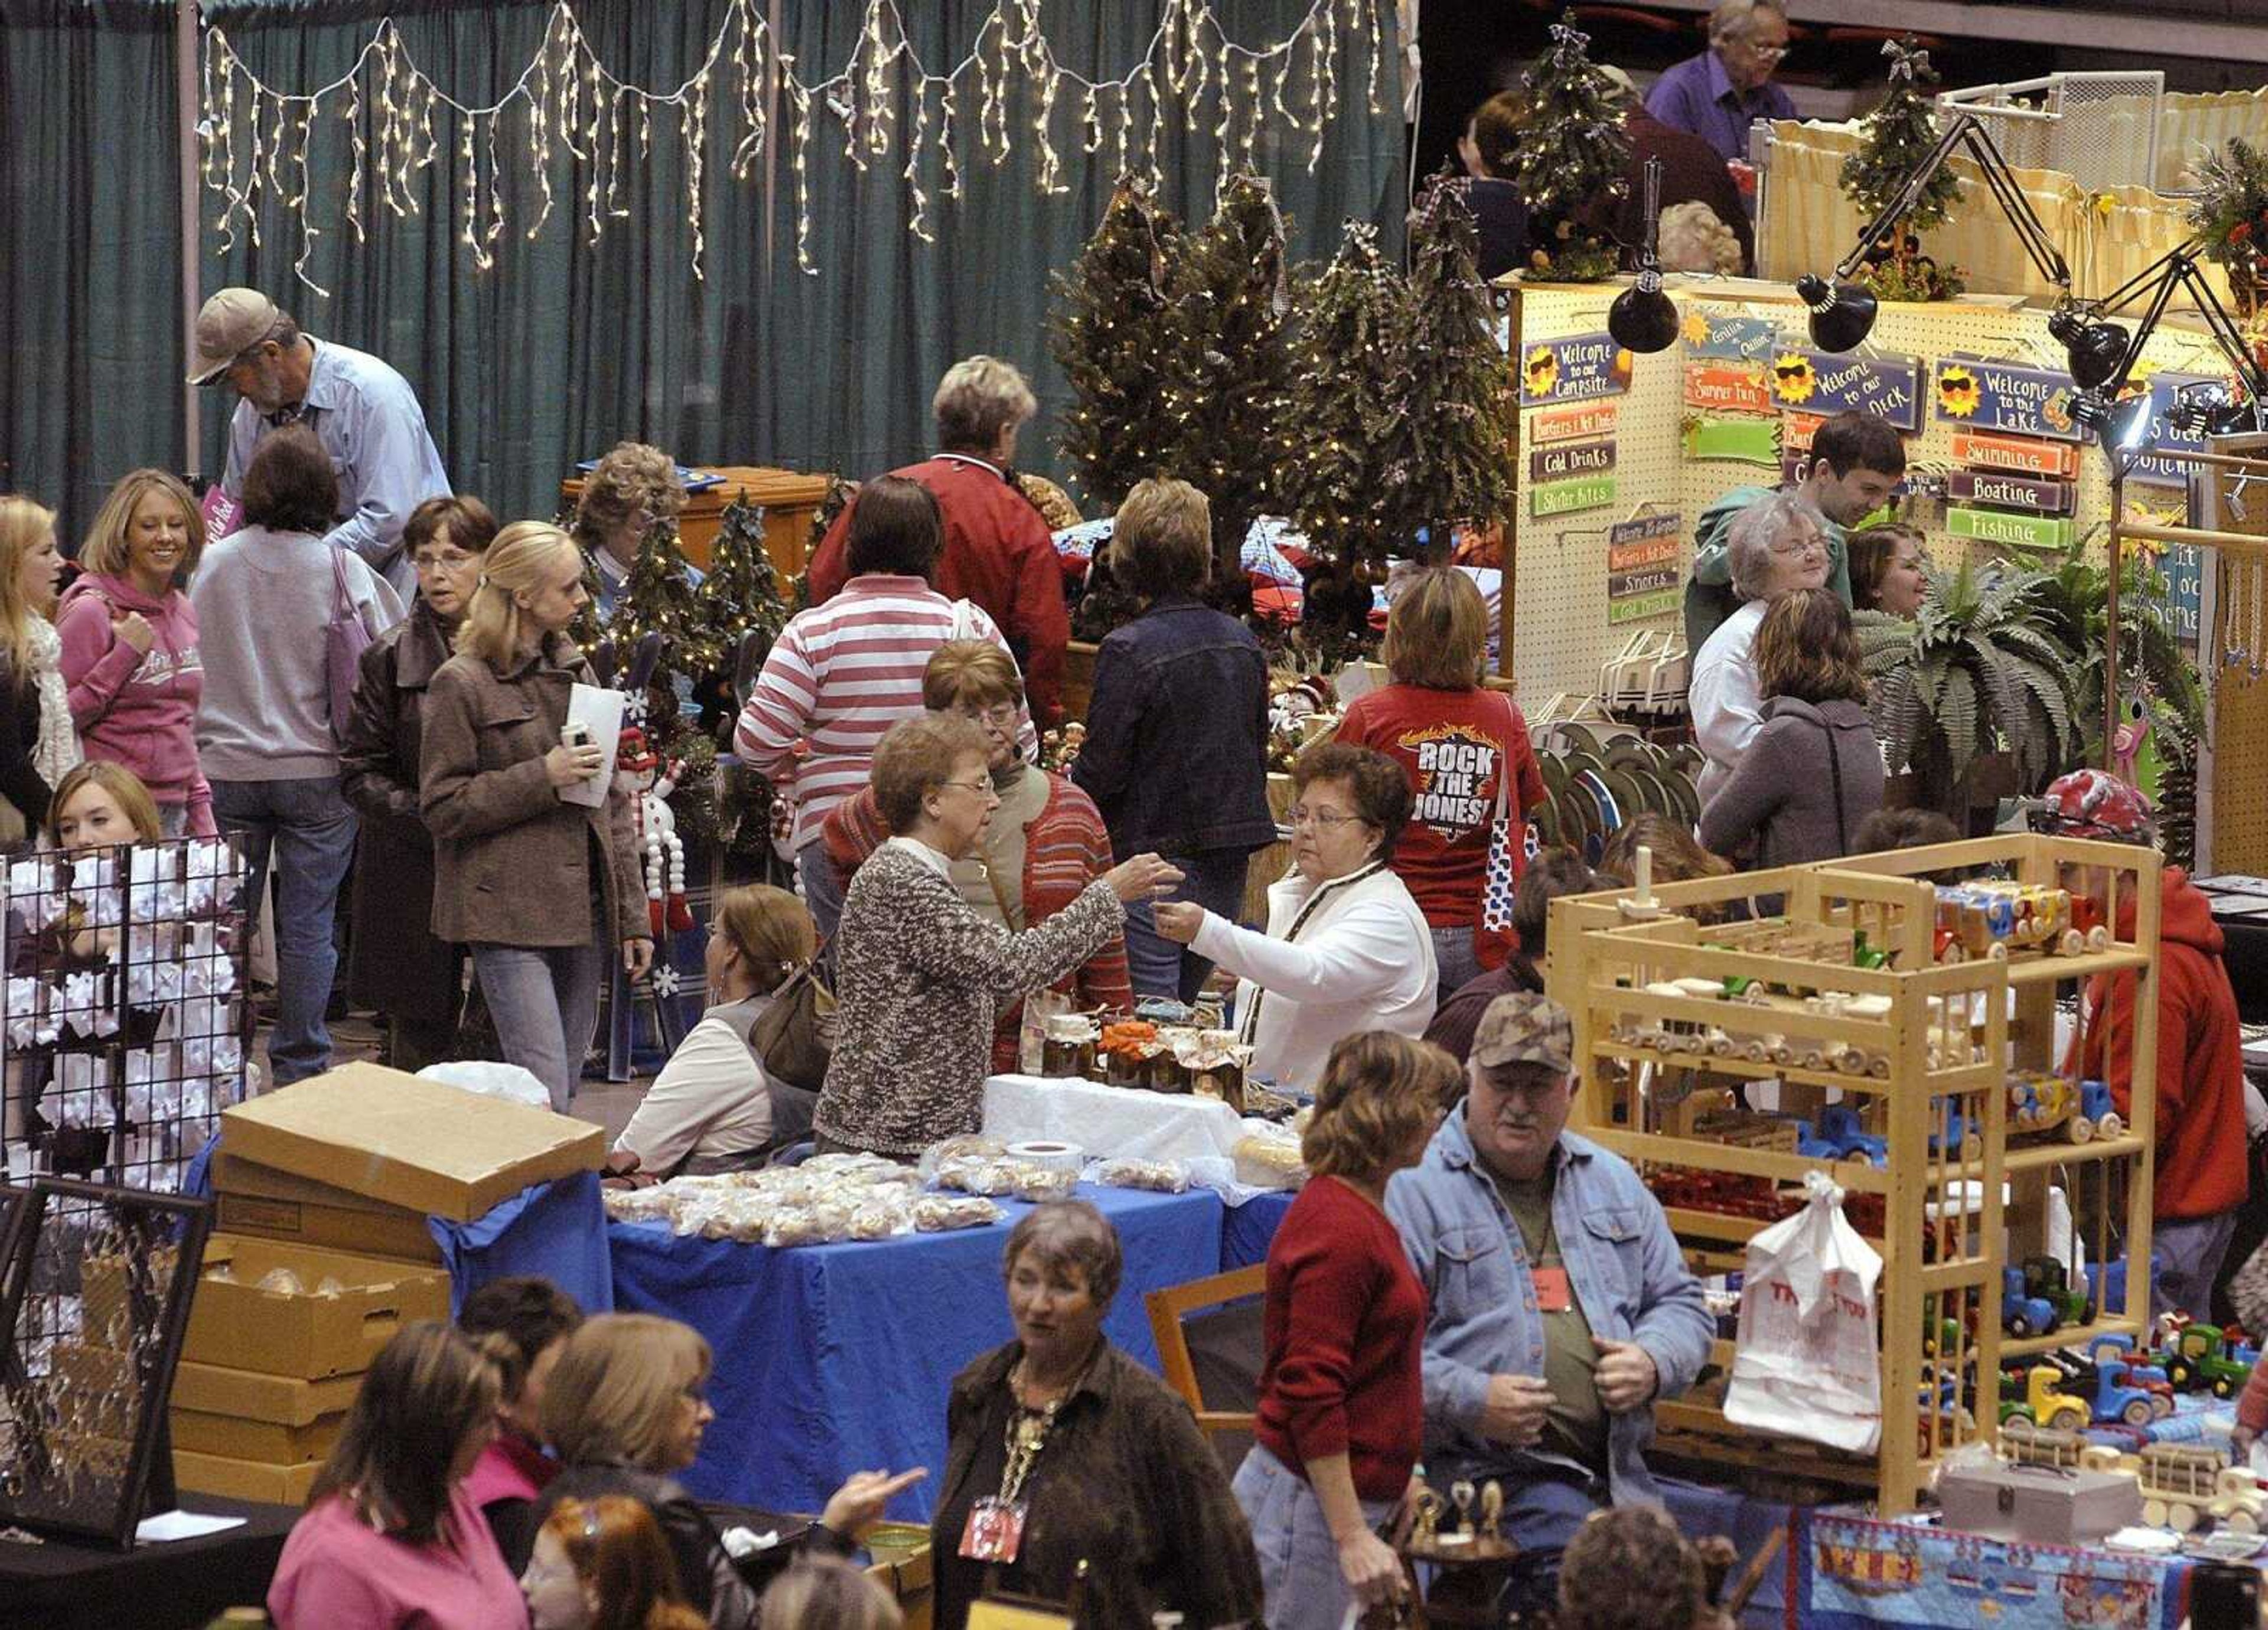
[{"x": 1835, "y": 772}]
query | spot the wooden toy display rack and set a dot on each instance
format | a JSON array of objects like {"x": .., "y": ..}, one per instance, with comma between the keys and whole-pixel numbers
[{"x": 1919, "y": 1052}]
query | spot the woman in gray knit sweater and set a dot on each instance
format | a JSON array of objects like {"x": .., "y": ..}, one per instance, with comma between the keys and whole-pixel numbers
[{"x": 919, "y": 973}]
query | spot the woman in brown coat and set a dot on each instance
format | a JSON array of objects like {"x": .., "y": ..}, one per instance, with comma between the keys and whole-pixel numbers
[
  {"x": 398, "y": 966},
  {"x": 539, "y": 887}
]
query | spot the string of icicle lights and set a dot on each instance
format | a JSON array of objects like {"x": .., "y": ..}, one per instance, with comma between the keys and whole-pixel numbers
[{"x": 256, "y": 138}]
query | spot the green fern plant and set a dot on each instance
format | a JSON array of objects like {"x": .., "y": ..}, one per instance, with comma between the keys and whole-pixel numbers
[
  {"x": 2152, "y": 664},
  {"x": 1979, "y": 670}
]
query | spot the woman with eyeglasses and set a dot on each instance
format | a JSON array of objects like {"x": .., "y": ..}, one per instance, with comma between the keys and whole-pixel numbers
[
  {"x": 1774, "y": 548},
  {"x": 923, "y": 973},
  {"x": 1042, "y": 846},
  {"x": 398, "y": 965},
  {"x": 625, "y": 1408},
  {"x": 1347, "y": 949}
]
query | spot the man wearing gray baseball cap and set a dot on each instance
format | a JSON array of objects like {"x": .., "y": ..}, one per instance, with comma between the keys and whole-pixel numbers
[
  {"x": 362, "y": 412},
  {"x": 1561, "y": 1304}
]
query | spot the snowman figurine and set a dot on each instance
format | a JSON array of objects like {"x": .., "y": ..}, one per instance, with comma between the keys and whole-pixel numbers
[{"x": 648, "y": 783}]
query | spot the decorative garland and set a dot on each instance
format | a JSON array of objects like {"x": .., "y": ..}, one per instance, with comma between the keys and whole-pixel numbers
[{"x": 256, "y": 138}]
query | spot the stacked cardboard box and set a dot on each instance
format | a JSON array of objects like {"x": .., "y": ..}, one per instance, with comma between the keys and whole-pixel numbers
[{"x": 333, "y": 1179}]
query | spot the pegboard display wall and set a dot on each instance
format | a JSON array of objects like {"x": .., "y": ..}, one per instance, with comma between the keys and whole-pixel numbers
[{"x": 1559, "y": 558}]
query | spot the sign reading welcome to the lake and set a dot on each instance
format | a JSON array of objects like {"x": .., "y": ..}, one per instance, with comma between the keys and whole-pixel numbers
[
  {"x": 1569, "y": 369},
  {"x": 1981, "y": 394}
]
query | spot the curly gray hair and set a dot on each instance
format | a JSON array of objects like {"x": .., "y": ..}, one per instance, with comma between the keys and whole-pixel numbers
[{"x": 1749, "y": 540}]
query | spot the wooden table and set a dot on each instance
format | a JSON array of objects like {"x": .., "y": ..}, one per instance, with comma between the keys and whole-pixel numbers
[{"x": 789, "y": 499}]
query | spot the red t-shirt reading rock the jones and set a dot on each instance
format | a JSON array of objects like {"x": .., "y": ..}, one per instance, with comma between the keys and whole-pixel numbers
[{"x": 1452, "y": 744}]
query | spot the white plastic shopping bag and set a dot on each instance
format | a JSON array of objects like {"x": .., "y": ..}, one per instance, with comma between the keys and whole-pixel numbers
[{"x": 1805, "y": 1362}]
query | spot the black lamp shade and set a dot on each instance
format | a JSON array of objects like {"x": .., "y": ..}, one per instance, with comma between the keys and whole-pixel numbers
[
  {"x": 1842, "y": 314},
  {"x": 1643, "y": 318},
  {"x": 2094, "y": 351}
]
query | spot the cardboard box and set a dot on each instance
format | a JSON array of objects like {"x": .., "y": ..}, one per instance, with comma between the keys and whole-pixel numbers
[
  {"x": 244, "y": 1479},
  {"x": 244, "y": 1414},
  {"x": 234, "y": 1323},
  {"x": 256, "y": 1200},
  {"x": 411, "y": 1143},
  {"x": 902, "y": 1566}
]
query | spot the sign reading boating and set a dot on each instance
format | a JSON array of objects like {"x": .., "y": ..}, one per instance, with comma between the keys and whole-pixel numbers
[
  {"x": 1981, "y": 395},
  {"x": 1569, "y": 369},
  {"x": 1822, "y": 384}
]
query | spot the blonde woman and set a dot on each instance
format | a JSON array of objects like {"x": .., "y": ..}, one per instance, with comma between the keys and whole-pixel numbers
[
  {"x": 630, "y": 490},
  {"x": 1341, "y": 1406},
  {"x": 539, "y": 887},
  {"x": 38, "y": 744},
  {"x": 712, "y": 1108},
  {"x": 625, "y": 1407},
  {"x": 129, "y": 644}
]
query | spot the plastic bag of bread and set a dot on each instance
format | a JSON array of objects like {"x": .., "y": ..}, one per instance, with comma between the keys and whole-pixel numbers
[
  {"x": 934, "y": 1214},
  {"x": 1039, "y": 1182},
  {"x": 1159, "y": 1176},
  {"x": 965, "y": 1146},
  {"x": 1270, "y": 1160}
]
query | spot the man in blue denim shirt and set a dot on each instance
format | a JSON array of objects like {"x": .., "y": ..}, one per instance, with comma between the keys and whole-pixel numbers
[{"x": 1561, "y": 1304}]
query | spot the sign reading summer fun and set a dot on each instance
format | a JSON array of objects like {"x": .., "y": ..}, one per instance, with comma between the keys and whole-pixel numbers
[
  {"x": 1737, "y": 387},
  {"x": 1645, "y": 574},
  {"x": 1822, "y": 383},
  {"x": 2000, "y": 396},
  {"x": 1569, "y": 369}
]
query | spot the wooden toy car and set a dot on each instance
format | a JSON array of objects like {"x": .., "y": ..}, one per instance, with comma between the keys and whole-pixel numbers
[{"x": 1989, "y": 918}]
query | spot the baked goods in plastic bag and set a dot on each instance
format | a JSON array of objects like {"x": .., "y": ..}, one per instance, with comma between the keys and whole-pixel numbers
[
  {"x": 1040, "y": 1182},
  {"x": 1162, "y": 1176},
  {"x": 1270, "y": 1160},
  {"x": 936, "y": 1212}
]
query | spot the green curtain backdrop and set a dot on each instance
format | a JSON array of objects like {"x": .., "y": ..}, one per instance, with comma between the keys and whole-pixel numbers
[{"x": 562, "y": 349}]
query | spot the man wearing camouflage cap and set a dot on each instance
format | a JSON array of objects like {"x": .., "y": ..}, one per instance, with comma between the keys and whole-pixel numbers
[{"x": 1561, "y": 1305}]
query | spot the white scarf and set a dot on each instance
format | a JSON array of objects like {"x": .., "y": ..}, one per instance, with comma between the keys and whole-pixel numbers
[{"x": 56, "y": 751}]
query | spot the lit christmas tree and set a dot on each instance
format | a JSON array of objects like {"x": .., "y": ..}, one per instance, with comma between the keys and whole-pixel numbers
[
  {"x": 1350, "y": 318},
  {"x": 1228, "y": 368},
  {"x": 656, "y": 596},
  {"x": 1108, "y": 332},
  {"x": 741, "y": 594},
  {"x": 1447, "y": 458},
  {"x": 1575, "y": 154},
  {"x": 1897, "y": 136}
]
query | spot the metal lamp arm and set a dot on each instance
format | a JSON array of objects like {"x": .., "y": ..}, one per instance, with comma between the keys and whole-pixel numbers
[
  {"x": 1895, "y": 210},
  {"x": 1966, "y": 130}
]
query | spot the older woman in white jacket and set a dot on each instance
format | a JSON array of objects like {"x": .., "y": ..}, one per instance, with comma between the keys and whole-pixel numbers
[{"x": 1347, "y": 949}]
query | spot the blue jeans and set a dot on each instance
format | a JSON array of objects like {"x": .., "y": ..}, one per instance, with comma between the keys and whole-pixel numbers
[
  {"x": 1541, "y": 1514},
  {"x": 1299, "y": 1576},
  {"x": 2185, "y": 1254},
  {"x": 821, "y": 894},
  {"x": 1454, "y": 960},
  {"x": 310, "y": 828},
  {"x": 1157, "y": 966},
  {"x": 544, "y": 1002}
]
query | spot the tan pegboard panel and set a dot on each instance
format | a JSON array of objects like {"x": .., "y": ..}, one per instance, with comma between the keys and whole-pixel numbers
[
  {"x": 2240, "y": 703},
  {"x": 1560, "y": 630}
]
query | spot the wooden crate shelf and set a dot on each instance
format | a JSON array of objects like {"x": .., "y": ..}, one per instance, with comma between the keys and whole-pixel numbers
[{"x": 1937, "y": 1039}]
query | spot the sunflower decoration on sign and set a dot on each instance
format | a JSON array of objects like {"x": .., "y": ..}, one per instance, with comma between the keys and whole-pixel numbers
[
  {"x": 1541, "y": 370},
  {"x": 1695, "y": 329},
  {"x": 1958, "y": 393},
  {"x": 1793, "y": 378}
]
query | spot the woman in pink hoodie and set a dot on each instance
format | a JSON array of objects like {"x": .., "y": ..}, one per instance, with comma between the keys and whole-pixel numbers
[{"x": 129, "y": 643}]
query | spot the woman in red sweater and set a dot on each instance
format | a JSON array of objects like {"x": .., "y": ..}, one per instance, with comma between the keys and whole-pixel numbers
[
  {"x": 1456, "y": 743},
  {"x": 1342, "y": 1399}
]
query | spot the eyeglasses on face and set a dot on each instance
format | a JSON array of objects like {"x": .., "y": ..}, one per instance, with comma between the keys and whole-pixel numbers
[
  {"x": 1811, "y": 545},
  {"x": 1000, "y": 716},
  {"x": 423, "y": 561},
  {"x": 1327, "y": 820},
  {"x": 982, "y": 788}
]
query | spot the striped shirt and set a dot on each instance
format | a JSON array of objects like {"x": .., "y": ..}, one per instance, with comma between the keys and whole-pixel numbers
[{"x": 840, "y": 675}]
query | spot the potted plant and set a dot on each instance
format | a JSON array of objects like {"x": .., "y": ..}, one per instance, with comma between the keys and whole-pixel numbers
[{"x": 1977, "y": 697}]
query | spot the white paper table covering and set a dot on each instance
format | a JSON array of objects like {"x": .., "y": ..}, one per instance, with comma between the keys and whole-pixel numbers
[{"x": 1109, "y": 1123}]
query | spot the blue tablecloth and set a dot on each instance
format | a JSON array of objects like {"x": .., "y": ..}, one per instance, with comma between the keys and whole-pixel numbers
[
  {"x": 834, "y": 1359},
  {"x": 1247, "y": 1230},
  {"x": 557, "y": 1229}
]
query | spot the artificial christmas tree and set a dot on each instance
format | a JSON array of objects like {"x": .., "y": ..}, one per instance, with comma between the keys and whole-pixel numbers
[
  {"x": 1228, "y": 368},
  {"x": 741, "y": 594},
  {"x": 1573, "y": 155},
  {"x": 658, "y": 598},
  {"x": 1448, "y": 455},
  {"x": 1351, "y": 318},
  {"x": 1108, "y": 332},
  {"x": 1898, "y": 135}
]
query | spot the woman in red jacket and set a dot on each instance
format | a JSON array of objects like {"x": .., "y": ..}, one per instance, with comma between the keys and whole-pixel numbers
[
  {"x": 1342, "y": 1397},
  {"x": 2198, "y": 1118}
]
